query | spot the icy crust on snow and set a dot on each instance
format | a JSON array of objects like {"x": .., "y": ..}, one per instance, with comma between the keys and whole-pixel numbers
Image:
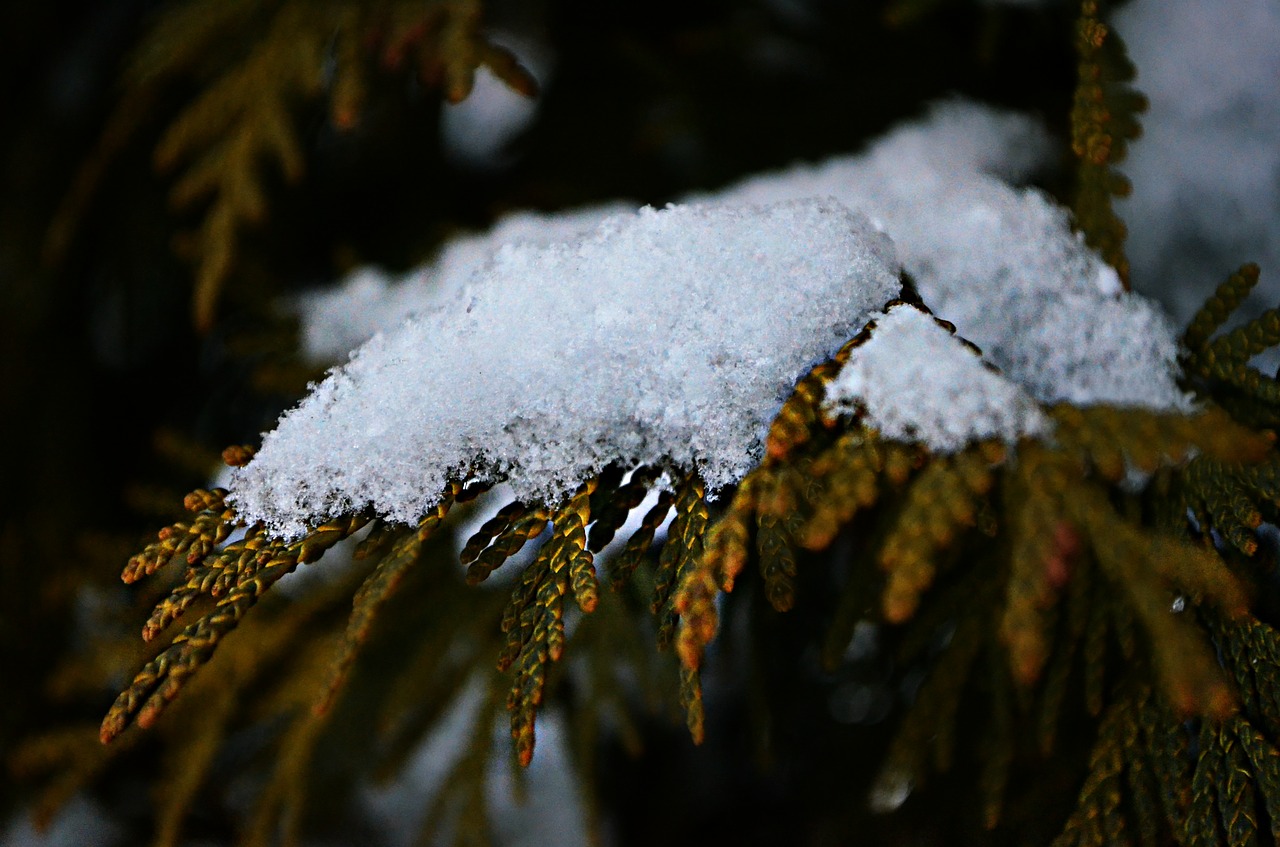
[
  {"x": 662, "y": 334},
  {"x": 1001, "y": 263},
  {"x": 915, "y": 381},
  {"x": 337, "y": 321}
]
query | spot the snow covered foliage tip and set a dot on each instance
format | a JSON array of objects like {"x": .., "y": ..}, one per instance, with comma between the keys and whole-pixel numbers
[
  {"x": 663, "y": 336},
  {"x": 913, "y": 380}
]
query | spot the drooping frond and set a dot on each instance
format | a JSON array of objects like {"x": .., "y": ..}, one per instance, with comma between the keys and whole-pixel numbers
[
  {"x": 252, "y": 575},
  {"x": 1219, "y": 366}
]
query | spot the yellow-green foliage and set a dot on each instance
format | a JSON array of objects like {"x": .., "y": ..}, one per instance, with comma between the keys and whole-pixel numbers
[
  {"x": 1046, "y": 539},
  {"x": 1048, "y": 578},
  {"x": 1219, "y": 366},
  {"x": 1054, "y": 578},
  {"x": 1104, "y": 118},
  {"x": 1103, "y": 575}
]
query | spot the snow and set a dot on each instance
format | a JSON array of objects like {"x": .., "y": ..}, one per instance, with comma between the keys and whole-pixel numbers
[
  {"x": 999, "y": 262},
  {"x": 915, "y": 381},
  {"x": 537, "y": 354},
  {"x": 662, "y": 335}
]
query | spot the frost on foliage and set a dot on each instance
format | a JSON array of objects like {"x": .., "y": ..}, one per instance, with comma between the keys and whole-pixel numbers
[
  {"x": 1001, "y": 263},
  {"x": 915, "y": 381},
  {"x": 337, "y": 321},
  {"x": 663, "y": 334}
]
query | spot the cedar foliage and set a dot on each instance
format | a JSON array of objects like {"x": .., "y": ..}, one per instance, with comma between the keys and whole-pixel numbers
[{"x": 1042, "y": 602}]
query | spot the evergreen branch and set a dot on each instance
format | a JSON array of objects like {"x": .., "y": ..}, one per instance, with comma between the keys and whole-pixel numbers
[
  {"x": 161, "y": 679},
  {"x": 537, "y": 605},
  {"x": 612, "y": 512},
  {"x": 1263, "y": 764},
  {"x": 1104, "y": 118},
  {"x": 637, "y": 546},
  {"x": 238, "y": 121},
  {"x": 849, "y": 469},
  {"x": 212, "y": 578},
  {"x": 1237, "y": 800},
  {"x": 1168, "y": 745},
  {"x": 1042, "y": 559},
  {"x": 1099, "y": 816},
  {"x": 1076, "y": 614},
  {"x": 448, "y": 47},
  {"x": 493, "y": 528},
  {"x": 279, "y": 806},
  {"x": 925, "y": 741},
  {"x": 679, "y": 556},
  {"x": 187, "y": 765},
  {"x": 510, "y": 541},
  {"x": 1143, "y": 567},
  {"x": 195, "y": 540},
  {"x": 454, "y": 647},
  {"x": 1214, "y": 313},
  {"x": 940, "y": 503},
  {"x": 999, "y": 746},
  {"x": 1203, "y": 824},
  {"x": 377, "y": 589},
  {"x": 1219, "y": 369},
  {"x": 264, "y": 62},
  {"x": 461, "y": 803}
]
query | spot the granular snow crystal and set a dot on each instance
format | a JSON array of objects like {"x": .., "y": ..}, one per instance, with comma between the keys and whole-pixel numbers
[
  {"x": 999, "y": 262},
  {"x": 914, "y": 381},
  {"x": 557, "y": 344},
  {"x": 663, "y": 335}
]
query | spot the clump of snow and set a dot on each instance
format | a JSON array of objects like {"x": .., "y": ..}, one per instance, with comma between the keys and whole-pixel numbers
[
  {"x": 337, "y": 321},
  {"x": 1206, "y": 171},
  {"x": 999, "y": 262},
  {"x": 672, "y": 334},
  {"x": 676, "y": 334},
  {"x": 915, "y": 381}
]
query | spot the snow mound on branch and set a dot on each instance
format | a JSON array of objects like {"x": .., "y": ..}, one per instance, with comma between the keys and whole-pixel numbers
[
  {"x": 672, "y": 334},
  {"x": 915, "y": 381},
  {"x": 999, "y": 262},
  {"x": 677, "y": 334}
]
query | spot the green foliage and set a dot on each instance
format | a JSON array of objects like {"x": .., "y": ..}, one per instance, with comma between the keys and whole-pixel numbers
[
  {"x": 1104, "y": 118},
  {"x": 954, "y": 547}
]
